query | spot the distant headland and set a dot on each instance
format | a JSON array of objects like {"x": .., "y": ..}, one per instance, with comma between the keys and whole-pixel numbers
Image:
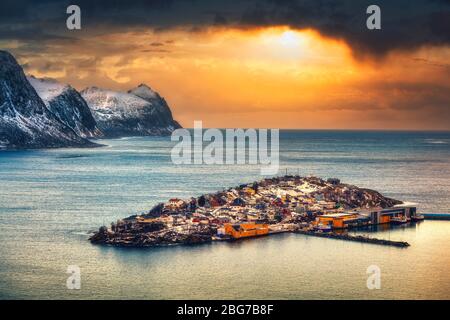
[{"x": 43, "y": 113}]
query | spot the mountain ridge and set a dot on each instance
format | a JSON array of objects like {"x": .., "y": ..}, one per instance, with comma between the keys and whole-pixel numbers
[
  {"x": 127, "y": 114},
  {"x": 68, "y": 105},
  {"x": 44, "y": 113},
  {"x": 25, "y": 121}
]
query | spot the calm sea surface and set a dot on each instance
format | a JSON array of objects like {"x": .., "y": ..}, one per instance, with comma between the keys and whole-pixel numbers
[{"x": 51, "y": 199}]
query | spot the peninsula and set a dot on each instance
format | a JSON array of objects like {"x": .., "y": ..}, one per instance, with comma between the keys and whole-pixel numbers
[{"x": 307, "y": 205}]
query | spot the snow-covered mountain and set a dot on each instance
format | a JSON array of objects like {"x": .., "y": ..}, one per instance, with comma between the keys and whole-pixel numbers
[
  {"x": 139, "y": 112},
  {"x": 68, "y": 105},
  {"x": 25, "y": 121},
  {"x": 42, "y": 113},
  {"x": 163, "y": 113}
]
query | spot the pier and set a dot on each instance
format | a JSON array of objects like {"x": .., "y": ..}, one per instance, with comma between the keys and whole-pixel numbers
[
  {"x": 362, "y": 239},
  {"x": 436, "y": 216}
]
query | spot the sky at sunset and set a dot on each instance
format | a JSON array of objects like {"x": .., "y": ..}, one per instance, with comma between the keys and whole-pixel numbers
[{"x": 232, "y": 71}]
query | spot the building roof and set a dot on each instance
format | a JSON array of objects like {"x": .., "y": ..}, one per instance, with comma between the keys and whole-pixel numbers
[{"x": 338, "y": 215}]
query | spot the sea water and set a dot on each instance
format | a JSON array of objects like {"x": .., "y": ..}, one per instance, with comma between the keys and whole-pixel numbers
[{"x": 51, "y": 199}]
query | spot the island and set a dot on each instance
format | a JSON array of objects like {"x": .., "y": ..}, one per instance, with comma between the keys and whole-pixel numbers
[{"x": 306, "y": 205}]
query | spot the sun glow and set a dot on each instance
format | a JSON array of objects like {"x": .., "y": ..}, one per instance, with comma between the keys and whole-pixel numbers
[
  {"x": 290, "y": 39},
  {"x": 283, "y": 38},
  {"x": 288, "y": 45},
  {"x": 261, "y": 77}
]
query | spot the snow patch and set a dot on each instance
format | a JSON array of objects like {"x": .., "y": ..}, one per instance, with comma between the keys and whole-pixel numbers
[
  {"x": 145, "y": 92},
  {"x": 47, "y": 88},
  {"x": 306, "y": 187},
  {"x": 101, "y": 100}
]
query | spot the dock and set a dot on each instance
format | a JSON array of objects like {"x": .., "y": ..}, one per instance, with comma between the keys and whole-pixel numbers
[
  {"x": 363, "y": 239},
  {"x": 436, "y": 216}
]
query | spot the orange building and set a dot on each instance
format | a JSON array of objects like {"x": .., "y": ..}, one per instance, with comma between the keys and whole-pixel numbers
[
  {"x": 338, "y": 220},
  {"x": 384, "y": 219},
  {"x": 397, "y": 214},
  {"x": 244, "y": 230}
]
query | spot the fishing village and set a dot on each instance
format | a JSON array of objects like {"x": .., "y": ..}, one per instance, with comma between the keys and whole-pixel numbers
[{"x": 306, "y": 205}]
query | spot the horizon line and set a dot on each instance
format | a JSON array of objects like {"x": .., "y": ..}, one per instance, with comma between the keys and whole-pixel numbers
[{"x": 332, "y": 129}]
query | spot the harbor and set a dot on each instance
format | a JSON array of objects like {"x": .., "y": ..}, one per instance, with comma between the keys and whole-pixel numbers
[{"x": 306, "y": 205}]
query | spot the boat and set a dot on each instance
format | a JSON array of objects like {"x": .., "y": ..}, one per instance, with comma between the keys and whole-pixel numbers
[
  {"x": 417, "y": 217},
  {"x": 399, "y": 220}
]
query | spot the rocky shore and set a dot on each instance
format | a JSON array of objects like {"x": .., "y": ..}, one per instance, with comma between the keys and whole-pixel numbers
[{"x": 136, "y": 237}]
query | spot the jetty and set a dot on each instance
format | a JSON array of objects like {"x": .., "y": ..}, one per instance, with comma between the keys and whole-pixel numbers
[
  {"x": 436, "y": 216},
  {"x": 348, "y": 237}
]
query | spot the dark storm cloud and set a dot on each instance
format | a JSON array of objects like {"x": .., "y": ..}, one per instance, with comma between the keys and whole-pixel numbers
[{"x": 405, "y": 24}]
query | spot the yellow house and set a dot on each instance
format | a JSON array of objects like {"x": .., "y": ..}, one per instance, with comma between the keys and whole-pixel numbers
[
  {"x": 248, "y": 229},
  {"x": 249, "y": 191},
  {"x": 143, "y": 220}
]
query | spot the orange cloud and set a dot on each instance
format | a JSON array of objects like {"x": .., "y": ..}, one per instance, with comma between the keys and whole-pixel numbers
[{"x": 263, "y": 77}]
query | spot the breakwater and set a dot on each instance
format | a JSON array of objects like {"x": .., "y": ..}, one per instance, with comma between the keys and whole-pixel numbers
[
  {"x": 436, "y": 216},
  {"x": 348, "y": 237}
]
